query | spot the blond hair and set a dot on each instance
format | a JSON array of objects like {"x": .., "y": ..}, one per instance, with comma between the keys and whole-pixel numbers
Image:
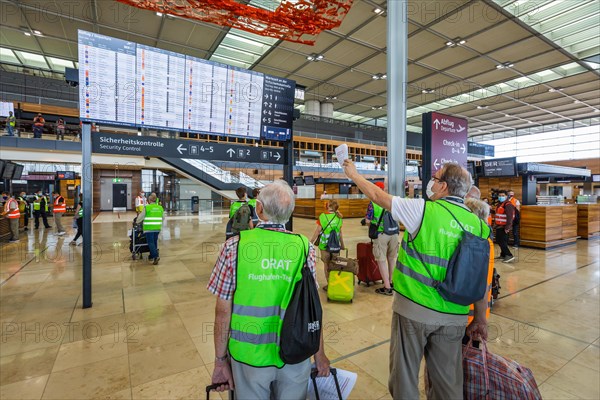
[
  {"x": 333, "y": 205},
  {"x": 478, "y": 207}
]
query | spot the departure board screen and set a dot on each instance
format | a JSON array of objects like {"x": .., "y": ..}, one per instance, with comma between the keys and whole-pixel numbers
[
  {"x": 132, "y": 84},
  {"x": 107, "y": 79}
]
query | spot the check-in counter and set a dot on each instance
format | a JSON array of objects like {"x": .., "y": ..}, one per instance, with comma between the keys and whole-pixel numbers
[
  {"x": 588, "y": 220},
  {"x": 312, "y": 208},
  {"x": 545, "y": 227},
  {"x": 4, "y": 228}
]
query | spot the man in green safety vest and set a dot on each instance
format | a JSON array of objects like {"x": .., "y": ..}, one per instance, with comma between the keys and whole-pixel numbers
[
  {"x": 11, "y": 122},
  {"x": 422, "y": 319},
  {"x": 254, "y": 278},
  {"x": 152, "y": 217},
  {"x": 40, "y": 209}
]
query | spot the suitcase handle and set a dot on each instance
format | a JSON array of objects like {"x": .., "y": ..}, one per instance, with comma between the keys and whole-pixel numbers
[
  {"x": 214, "y": 386},
  {"x": 313, "y": 376}
]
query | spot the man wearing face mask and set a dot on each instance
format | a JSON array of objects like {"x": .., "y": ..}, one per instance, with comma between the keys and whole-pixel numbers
[
  {"x": 40, "y": 208},
  {"x": 505, "y": 215},
  {"x": 24, "y": 208},
  {"x": 424, "y": 324}
]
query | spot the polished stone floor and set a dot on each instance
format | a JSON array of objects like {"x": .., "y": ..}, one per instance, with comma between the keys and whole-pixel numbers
[{"x": 149, "y": 332}]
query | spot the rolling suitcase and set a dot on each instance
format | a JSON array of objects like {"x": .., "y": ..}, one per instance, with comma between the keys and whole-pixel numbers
[
  {"x": 313, "y": 377},
  {"x": 368, "y": 270},
  {"x": 340, "y": 286}
]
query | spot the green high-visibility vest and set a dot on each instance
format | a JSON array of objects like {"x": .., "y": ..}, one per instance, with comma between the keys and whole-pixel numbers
[
  {"x": 38, "y": 201},
  {"x": 154, "y": 217},
  {"x": 236, "y": 206},
  {"x": 268, "y": 266},
  {"x": 436, "y": 241},
  {"x": 80, "y": 213},
  {"x": 334, "y": 226},
  {"x": 252, "y": 202},
  {"x": 377, "y": 211},
  {"x": 12, "y": 121}
]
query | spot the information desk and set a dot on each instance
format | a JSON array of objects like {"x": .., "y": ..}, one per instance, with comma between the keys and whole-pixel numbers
[
  {"x": 349, "y": 208},
  {"x": 5, "y": 227},
  {"x": 545, "y": 227},
  {"x": 588, "y": 220}
]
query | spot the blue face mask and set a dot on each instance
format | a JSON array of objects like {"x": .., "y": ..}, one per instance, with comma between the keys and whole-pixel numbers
[{"x": 502, "y": 198}]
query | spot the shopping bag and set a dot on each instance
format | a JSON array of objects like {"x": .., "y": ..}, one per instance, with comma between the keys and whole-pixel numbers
[{"x": 491, "y": 376}]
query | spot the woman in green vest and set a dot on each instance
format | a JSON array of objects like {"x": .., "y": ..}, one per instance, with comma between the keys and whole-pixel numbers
[
  {"x": 328, "y": 223},
  {"x": 152, "y": 220}
]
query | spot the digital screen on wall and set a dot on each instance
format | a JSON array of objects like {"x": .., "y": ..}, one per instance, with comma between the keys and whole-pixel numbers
[
  {"x": 125, "y": 83},
  {"x": 9, "y": 169},
  {"x": 18, "y": 172},
  {"x": 309, "y": 180},
  {"x": 65, "y": 175},
  {"x": 5, "y": 107},
  {"x": 595, "y": 178},
  {"x": 298, "y": 181},
  {"x": 500, "y": 167}
]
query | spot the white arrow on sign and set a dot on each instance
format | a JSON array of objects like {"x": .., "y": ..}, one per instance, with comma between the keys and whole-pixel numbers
[
  {"x": 180, "y": 148},
  {"x": 437, "y": 124},
  {"x": 231, "y": 152},
  {"x": 463, "y": 148},
  {"x": 277, "y": 156},
  {"x": 460, "y": 128},
  {"x": 436, "y": 164}
]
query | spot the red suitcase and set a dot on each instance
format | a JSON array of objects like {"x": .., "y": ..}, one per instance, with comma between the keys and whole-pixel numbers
[{"x": 368, "y": 270}]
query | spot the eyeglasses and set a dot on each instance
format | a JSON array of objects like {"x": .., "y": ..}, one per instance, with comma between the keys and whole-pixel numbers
[{"x": 435, "y": 178}]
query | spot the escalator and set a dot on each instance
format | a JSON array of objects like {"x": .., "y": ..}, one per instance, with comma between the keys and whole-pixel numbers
[{"x": 222, "y": 181}]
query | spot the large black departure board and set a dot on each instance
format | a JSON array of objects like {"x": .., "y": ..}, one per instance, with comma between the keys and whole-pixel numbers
[{"x": 125, "y": 83}]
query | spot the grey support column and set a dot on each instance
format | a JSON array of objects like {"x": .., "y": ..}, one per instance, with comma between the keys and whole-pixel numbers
[
  {"x": 87, "y": 176},
  {"x": 397, "y": 66}
]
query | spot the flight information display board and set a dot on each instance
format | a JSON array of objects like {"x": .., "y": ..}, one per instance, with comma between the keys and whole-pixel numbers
[
  {"x": 126, "y": 83},
  {"x": 107, "y": 79}
]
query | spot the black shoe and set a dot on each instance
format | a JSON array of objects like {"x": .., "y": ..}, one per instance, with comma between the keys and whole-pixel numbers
[
  {"x": 508, "y": 259},
  {"x": 384, "y": 291},
  {"x": 156, "y": 260},
  {"x": 324, "y": 288}
]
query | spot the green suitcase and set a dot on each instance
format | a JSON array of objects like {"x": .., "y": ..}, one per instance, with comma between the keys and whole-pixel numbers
[{"x": 340, "y": 286}]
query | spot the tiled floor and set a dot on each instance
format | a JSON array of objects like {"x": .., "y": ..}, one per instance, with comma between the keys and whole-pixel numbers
[{"x": 149, "y": 332}]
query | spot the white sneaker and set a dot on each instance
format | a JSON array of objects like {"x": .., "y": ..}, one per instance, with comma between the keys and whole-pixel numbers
[{"x": 61, "y": 233}]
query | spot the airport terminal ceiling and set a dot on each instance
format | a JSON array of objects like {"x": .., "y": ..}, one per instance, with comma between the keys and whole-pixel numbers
[{"x": 503, "y": 64}]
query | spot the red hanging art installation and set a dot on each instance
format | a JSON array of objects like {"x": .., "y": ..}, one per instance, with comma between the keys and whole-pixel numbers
[{"x": 294, "y": 20}]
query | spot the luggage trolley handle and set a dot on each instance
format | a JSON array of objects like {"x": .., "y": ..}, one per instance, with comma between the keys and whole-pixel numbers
[
  {"x": 214, "y": 386},
  {"x": 313, "y": 377}
]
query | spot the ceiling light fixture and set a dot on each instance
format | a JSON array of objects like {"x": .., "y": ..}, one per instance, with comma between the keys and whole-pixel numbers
[
  {"x": 330, "y": 97},
  {"x": 576, "y": 102},
  {"x": 37, "y": 33},
  {"x": 315, "y": 57},
  {"x": 455, "y": 42},
  {"x": 530, "y": 122},
  {"x": 379, "y": 76},
  {"x": 482, "y": 107},
  {"x": 427, "y": 91},
  {"x": 505, "y": 65},
  {"x": 507, "y": 115},
  {"x": 26, "y": 33},
  {"x": 159, "y": 14},
  {"x": 376, "y": 107},
  {"x": 378, "y": 11}
]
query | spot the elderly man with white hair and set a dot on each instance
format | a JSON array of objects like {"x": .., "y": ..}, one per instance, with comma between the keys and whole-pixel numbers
[{"x": 253, "y": 278}]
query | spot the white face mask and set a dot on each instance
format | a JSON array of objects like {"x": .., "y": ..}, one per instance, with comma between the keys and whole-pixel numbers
[{"x": 429, "y": 190}]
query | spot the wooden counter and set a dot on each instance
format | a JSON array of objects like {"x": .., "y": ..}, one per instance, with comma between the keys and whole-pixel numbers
[
  {"x": 588, "y": 220},
  {"x": 545, "y": 227},
  {"x": 312, "y": 208}
]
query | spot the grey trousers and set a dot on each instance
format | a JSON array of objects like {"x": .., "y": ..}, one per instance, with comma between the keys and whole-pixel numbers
[
  {"x": 442, "y": 348},
  {"x": 58, "y": 222},
  {"x": 289, "y": 382},
  {"x": 14, "y": 228}
]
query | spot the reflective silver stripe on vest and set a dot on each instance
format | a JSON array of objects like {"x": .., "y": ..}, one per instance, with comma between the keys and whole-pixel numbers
[
  {"x": 252, "y": 338},
  {"x": 259, "y": 312},
  {"x": 425, "y": 280},
  {"x": 426, "y": 258}
]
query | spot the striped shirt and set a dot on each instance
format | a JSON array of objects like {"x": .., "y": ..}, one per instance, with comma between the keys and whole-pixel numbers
[{"x": 222, "y": 281}]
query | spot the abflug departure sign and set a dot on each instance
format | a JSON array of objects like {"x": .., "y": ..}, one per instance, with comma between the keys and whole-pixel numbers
[{"x": 448, "y": 140}]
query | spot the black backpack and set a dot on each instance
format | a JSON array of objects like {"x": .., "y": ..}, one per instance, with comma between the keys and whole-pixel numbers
[
  {"x": 302, "y": 324},
  {"x": 333, "y": 241},
  {"x": 466, "y": 275},
  {"x": 390, "y": 226},
  {"x": 241, "y": 219}
]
